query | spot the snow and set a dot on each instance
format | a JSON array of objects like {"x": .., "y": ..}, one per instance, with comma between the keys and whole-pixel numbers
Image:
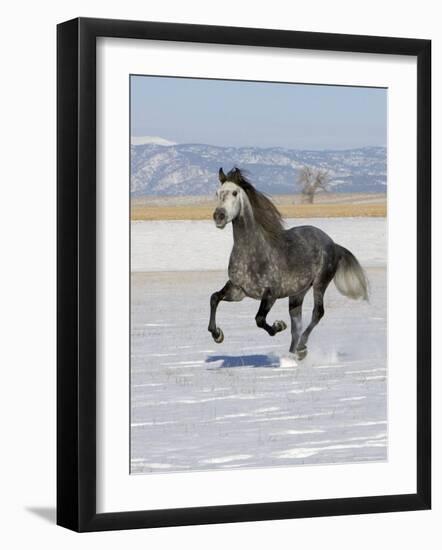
[
  {"x": 247, "y": 403},
  {"x": 150, "y": 140},
  {"x": 186, "y": 245}
]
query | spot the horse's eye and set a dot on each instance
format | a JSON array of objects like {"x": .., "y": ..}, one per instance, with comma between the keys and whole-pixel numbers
[{"x": 235, "y": 193}]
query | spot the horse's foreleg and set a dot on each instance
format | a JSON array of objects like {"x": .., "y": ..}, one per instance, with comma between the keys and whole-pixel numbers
[
  {"x": 266, "y": 305},
  {"x": 295, "y": 311},
  {"x": 318, "y": 313},
  {"x": 229, "y": 293}
]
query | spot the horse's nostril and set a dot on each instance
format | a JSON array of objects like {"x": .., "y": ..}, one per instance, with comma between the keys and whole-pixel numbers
[{"x": 219, "y": 216}]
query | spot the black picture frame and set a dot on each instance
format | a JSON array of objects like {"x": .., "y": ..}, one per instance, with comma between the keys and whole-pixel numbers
[{"x": 77, "y": 287}]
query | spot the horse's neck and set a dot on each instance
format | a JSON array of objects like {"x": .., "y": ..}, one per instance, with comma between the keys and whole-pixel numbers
[{"x": 247, "y": 234}]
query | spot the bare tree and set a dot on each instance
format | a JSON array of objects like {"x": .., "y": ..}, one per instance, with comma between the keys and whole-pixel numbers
[{"x": 312, "y": 181}]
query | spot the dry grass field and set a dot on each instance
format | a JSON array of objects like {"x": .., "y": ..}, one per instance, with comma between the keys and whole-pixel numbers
[{"x": 337, "y": 205}]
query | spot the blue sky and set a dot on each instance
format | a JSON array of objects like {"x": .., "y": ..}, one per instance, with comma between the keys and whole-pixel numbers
[{"x": 259, "y": 114}]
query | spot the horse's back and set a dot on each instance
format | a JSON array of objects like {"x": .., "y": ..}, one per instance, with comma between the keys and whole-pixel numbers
[
  {"x": 311, "y": 250},
  {"x": 309, "y": 236}
]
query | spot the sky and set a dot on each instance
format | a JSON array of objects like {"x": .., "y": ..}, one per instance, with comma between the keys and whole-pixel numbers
[{"x": 258, "y": 114}]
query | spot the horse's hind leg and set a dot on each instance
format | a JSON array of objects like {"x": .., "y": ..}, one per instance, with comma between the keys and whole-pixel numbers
[
  {"x": 229, "y": 293},
  {"x": 295, "y": 311},
  {"x": 266, "y": 305},
  {"x": 318, "y": 313}
]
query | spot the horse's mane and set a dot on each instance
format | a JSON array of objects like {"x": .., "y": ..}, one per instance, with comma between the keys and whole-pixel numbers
[{"x": 266, "y": 215}]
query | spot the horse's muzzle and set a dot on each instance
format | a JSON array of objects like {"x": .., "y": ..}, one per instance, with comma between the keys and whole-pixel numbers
[{"x": 220, "y": 218}]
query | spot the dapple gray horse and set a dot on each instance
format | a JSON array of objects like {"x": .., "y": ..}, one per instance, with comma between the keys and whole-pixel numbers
[{"x": 268, "y": 262}]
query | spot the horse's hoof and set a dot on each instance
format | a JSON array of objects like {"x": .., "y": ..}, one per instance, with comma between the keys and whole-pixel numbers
[
  {"x": 218, "y": 336},
  {"x": 301, "y": 353},
  {"x": 279, "y": 326}
]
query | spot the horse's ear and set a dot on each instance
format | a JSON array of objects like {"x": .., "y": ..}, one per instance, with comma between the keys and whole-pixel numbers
[{"x": 222, "y": 176}]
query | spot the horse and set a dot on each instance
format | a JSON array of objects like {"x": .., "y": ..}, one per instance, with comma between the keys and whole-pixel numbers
[{"x": 269, "y": 262}]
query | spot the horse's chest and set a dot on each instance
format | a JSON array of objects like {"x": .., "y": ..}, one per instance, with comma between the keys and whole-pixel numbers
[{"x": 254, "y": 274}]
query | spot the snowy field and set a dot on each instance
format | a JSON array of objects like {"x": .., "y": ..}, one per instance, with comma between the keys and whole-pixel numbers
[
  {"x": 246, "y": 403},
  {"x": 199, "y": 246}
]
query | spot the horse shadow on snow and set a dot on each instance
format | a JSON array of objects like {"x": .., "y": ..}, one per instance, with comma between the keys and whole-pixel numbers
[{"x": 251, "y": 361}]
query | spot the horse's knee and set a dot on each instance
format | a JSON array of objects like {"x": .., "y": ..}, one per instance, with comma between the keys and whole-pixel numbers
[
  {"x": 318, "y": 312},
  {"x": 260, "y": 321},
  {"x": 214, "y": 299}
]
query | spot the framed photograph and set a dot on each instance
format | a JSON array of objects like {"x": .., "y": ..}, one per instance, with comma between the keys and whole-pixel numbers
[{"x": 243, "y": 274}]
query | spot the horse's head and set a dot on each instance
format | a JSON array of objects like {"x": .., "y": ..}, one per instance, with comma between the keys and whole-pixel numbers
[{"x": 229, "y": 196}]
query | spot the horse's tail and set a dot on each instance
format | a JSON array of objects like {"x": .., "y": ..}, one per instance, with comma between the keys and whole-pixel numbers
[{"x": 350, "y": 278}]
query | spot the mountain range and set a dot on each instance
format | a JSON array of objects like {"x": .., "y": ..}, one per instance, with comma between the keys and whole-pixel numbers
[{"x": 162, "y": 168}]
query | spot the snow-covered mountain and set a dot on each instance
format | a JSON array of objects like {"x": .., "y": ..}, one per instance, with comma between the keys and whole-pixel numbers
[
  {"x": 150, "y": 140},
  {"x": 192, "y": 169}
]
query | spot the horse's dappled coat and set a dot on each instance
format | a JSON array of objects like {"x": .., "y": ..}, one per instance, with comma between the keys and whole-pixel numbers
[{"x": 269, "y": 262}]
